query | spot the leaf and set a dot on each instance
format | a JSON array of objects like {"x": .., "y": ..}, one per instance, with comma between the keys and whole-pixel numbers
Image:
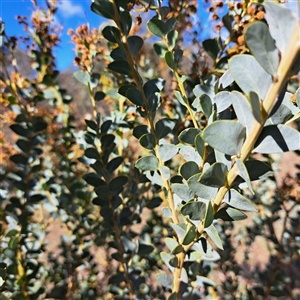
[
  {"x": 211, "y": 46},
  {"x": 126, "y": 21},
  {"x": 170, "y": 60},
  {"x": 222, "y": 100},
  {"x": 249, "y": 75},
  {"x": 188, "y": 135},
  {"x": 165, "y": 279},
  {"x": 215, "y": 175},
  {"x": 24, "y": 145},
  {"x": 157, "y": 27},
  {"x": 82, "y": 76},
  {"x": 103, "y": 8},
  {"x": 167, "y": 213},
  {"x": 118, "y": 54},
  {"x": 139, "y": 130},
  {"x": 277, "y": 139},
  {"x": 200, "y": 145},
  {"x": 170, "y": 24},
  {"x": 145, "y": 249},
  {"x": 243, "y": 110},
  {"x": 93, "y": 179},
  {"x": 135, "y": 44},
  {"x": 214, "y": 236},
  {"x": 164, "y": 127},
  {"x": 226, "y": 136},
  {"x": 114, "y": 164},
  {"x": 167, "y": 151},
  {"x": 194, "y": 209},
  {"x": 120, "y": 66},
  {"x": 257, "y": 170},
  {"x": 99, "y": 96},
  {"x": 160, "y": 49},
  {"x": 281, "y": 24},
  {"x": 154, "y": 202},
  {"x": 147, "y": 163},
  {"x": 189, "y": 169},
  {"x": 230, "y": 214},
  {"x": 91, "y": 153},
  {"x": 203, "y": 89},
  {"x": 154, "y": 177},
  {"x": 180, "y": 231},
  {"x": 226, "y": 80},
  {"x": 112, "y": 34},
  {"x": 201, "y": 190},
  {"x": 189, "y": 153},
  {"x": 171, "y": 243},
  {"x": 227, "y": 21},
  {"x": 148, "y": 141},
  {"x": 255, "y": 106},
  {"x": 206, "y": 105},
  {"x": 202, "y": 281},
  {"x": 181, "y": 99},
  {"x": 209, "y": 215},
  {"x": 153, "y": 86},
  {"x": 165, "y": 172},
  {"x": 190, "y": 235},
  {"x": 166, "y": 257},
  {"x": 262, "y": 46},
  {"x": 182, "y": 191},
  {"x": 172, "y": 38},
  {"x": 117, "y": 182},
  {"x": 132, "y": 93},
  {"x": 282, "y": 115},
  {"x": 243, "y": 172},
  {"x": 19, "y": 159},
  {"x": 236, "y": 200}
]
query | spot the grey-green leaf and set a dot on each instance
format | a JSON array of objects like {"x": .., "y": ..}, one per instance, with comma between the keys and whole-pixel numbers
[
  {"x": 209, "y": 215},
  {"x": 249, "y": 75},
  {"x": 132, "y": 93},
  {"x": 148, "y": 141},
  {"x": 243, "y": 110},
  {"x": 226, "y": 136},
  {"x": 262, "y": 46},
  {"x": 281, "y": 23},
  {"x": 82, "y": 77},
  {"x": 135, "y": 44},
  {"x": 120, "y": 66},
  {"x": 277, "y": 139},
  {"x": 126, "y": 21},
  {"x": 255, "y": 105},
  {"x": 147, "y": 163},
  {"x": 182, "y": 191},
  {"x": 194, "y": 209},
  {"x": 103, "y": 8},
  {"x": 215, "y": 175},
  {"x": 243, "y": 172},
  {"x": 213, "y": 234},
  {"x": 169, "y": 58},
  {"x": 201, "y": 190},
  {"x": 188, "y": 169},
  {"x": 164, "y": 127},
  {"x": 157, "y": 27},
  {"x": 160, "y": 49},
  {"x": 190, "y": 235},
  {"x": 236, "y": 200},
  {"x": 188, "y": 135},
  {"x": 167, "y": 151},
  {"x": 222, "y": 100},
  {"x": 230, "y": 214}
]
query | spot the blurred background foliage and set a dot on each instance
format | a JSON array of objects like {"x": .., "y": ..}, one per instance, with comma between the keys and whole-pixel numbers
[{"x": 65, "y": 146}]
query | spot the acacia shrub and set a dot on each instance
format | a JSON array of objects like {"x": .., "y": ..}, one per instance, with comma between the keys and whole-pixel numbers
[{"x": 180, "y": 163}]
